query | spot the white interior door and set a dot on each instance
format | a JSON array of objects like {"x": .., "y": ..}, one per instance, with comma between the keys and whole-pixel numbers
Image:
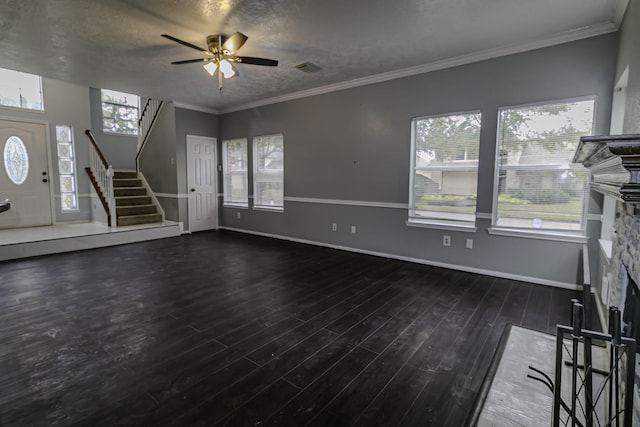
[
  {"x": 24, "y": 174},
  {"x": 201, "y": 179}
]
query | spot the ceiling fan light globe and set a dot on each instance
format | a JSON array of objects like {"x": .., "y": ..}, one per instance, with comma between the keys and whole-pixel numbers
[
  {"x": 227, "y": 69},
  {"x": 210, "y": 67}
]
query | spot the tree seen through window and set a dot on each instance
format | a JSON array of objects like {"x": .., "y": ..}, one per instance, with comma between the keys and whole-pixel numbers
[{"x": 120, "y": 112}]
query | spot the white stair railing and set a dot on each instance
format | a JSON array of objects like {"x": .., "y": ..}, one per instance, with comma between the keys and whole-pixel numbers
[{"x": 102, "y": 174}]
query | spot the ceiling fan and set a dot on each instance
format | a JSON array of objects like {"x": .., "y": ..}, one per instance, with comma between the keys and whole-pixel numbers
[{"x": 220, "y": 55}]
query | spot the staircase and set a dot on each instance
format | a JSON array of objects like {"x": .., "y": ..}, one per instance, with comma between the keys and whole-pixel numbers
[
  {"x": 133, "y": 203},
  {"x": 124, "y": 193}
]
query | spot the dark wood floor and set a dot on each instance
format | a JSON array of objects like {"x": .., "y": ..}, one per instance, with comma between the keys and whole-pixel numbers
[{"x": 221, "y": 328}]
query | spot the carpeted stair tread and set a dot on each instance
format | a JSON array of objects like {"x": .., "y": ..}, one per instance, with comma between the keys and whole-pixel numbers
[
  {"x": 136, "y": 210},
  {"x": 139, "y": 219}
]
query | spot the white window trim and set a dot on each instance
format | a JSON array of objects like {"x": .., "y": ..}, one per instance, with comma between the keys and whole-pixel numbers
[
  {"x": 279, "y": 209},
  {"x": 235, "y": 205},
  {"x": 26, "y": 109},
  {"x": 106, "y": 132},
  {"x": 23, "y": 110},
  {"x": 254, "y": 147},
  {"x": 539, "y": 234},
  {"x": 575, "y": 237},
  {"x": 109, "y": 132},
  {"x": 442, "y": 224},
  {"x": 75, "y": 170}
]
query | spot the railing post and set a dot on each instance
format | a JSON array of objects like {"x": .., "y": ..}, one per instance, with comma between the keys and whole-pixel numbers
[
  {"x": 110, "y": 195},
  {"x": 102, "y": 174}
]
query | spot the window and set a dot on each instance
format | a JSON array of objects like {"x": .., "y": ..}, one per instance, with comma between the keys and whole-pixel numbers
[
  {"x": 120, "y": 112},
  {"x": 20, "y": 90},
  {"x": 537, "y": 186},
  {"x": 67, "y": 168},
  {"x": 444, "y": 165},
  {"x": 236, "y": 175},
  {"x": 16, "y": 160},
  {"x": 268, "y": 172}
]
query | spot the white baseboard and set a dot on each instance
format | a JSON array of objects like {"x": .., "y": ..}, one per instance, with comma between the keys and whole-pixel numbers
[{"x": 467, "y": 269}]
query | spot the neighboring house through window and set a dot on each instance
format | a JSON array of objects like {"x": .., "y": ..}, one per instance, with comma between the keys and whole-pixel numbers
[
  {"x": 120, "y": 112},
  {"x": 537, "y": 187},
  {"x": 20, "y": 90},
  {"x": 236, "y": 173},
  {"x": 268, "y": 172},
  {"x": 444, "y": 169}
]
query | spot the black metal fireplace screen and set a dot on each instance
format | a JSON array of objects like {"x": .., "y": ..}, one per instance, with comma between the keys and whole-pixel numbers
[{"x": 607, "y": 401}]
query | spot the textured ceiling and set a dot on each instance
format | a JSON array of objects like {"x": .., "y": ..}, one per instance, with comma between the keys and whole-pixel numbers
[{"x": 116, "y": 44}]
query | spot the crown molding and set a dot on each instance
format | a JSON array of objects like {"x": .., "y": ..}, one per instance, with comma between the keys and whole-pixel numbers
[
  {"x": 194, "y": 107},
  {"x": 551, "y": 40}
]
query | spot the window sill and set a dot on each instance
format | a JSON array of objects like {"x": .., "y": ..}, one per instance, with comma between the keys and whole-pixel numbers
[
  {"x": 606, "y": 248},
  {"x": 541, "y": 235},
  {"x": 269, "y": 208},
  {"x": 106, "y": 132},
  {"x": 443, "y": 225},
  {"x": 22, "y": 109},
  {"x": 235, "y": 205}
]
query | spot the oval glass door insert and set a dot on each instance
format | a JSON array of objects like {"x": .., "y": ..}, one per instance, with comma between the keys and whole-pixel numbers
[{"x": 16, "y": 160}]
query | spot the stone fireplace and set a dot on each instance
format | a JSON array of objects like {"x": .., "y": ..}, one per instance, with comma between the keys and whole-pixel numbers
[
  {"x": 621, "y": 276},
  {"x": 625, "y": 251}
]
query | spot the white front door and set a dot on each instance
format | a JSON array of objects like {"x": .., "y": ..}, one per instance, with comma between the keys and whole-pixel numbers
[
  {"x": 24, "y": 174},
  {"x": 201, "y": 181}
]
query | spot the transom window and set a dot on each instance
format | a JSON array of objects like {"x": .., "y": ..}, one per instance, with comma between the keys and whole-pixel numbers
[
  {"x": 268, "y": 172},
  {"x": 120, "y": 112},
  {"x": 537, "y": 186},
  {"x": 20, "y": 90},
  {"x": 236, "y": 173},
  {"x": 444, "y": 165}
]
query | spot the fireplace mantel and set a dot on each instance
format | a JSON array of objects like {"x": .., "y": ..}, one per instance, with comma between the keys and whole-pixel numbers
[{"x": 614, "y": 162}]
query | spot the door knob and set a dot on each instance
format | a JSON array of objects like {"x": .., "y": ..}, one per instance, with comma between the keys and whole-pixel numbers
[
  {"x": 193, "y": 189},
  {"x": 45, "y": 180}
]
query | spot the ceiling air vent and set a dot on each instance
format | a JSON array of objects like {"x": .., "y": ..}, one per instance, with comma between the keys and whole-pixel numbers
[{"x": 307, "y": 67}]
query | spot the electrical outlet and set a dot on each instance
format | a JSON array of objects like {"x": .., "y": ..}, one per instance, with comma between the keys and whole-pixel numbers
[
  {"x": 353, "y": 229},
  {"x": 469, "y": 243},
  {"x": 334, "y": 227},
  {"x": 446, "y": 240},
  {"x": 238, "y": 215}
]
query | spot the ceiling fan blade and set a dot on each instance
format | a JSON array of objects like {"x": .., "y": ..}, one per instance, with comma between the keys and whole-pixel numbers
[
  {"x": 190, "y": 61},
  {"x": 233, "y": 43},
  {"x": 257, "y": 61},
  {"x": 184, "y": 43}
]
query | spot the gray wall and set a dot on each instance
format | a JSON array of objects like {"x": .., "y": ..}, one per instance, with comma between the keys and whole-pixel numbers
[
  {"x": 355, "y": 145},
  {"x": 163, "y": 161},
  {"x": 65, "y": 104},
  {"x": 189, "y": 122},
  {"x": 119, "y": 150},
  {"x": 628, "y": 56},
  {"x": 158, "y": 164}
]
